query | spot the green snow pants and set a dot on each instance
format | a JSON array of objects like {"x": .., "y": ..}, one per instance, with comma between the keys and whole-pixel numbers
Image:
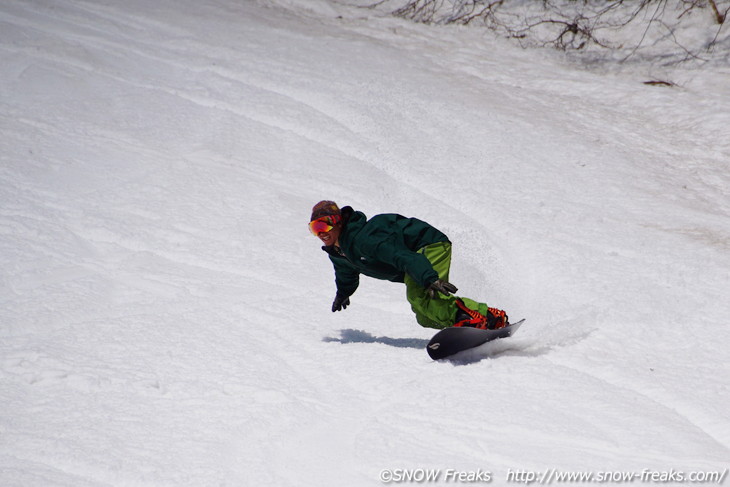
[{"x": 439, "y": 311}]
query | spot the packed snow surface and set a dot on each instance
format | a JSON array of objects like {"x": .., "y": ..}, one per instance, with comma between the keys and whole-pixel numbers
[{"x": 165, "y": 315}]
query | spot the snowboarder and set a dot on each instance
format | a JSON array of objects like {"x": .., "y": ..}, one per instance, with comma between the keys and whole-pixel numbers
[{"x": 399, "y": 249}]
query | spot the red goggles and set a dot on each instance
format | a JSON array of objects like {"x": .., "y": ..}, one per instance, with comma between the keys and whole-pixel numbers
[{"x": 324, "y": 224}]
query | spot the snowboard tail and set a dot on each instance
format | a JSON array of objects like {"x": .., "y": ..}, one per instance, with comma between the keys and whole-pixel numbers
[{"x": 452, "y": 340}]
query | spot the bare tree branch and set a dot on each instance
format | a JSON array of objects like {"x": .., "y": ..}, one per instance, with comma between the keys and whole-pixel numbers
[{"x": 571, "y": 24}]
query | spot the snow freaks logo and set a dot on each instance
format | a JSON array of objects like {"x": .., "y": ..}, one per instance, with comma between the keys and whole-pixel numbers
[
  {"x": 423, "y": 475},
  {"x": 550, "y": 476}
]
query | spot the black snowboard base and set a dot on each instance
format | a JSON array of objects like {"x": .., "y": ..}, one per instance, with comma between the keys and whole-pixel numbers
[{"x": 453, "y": 340}]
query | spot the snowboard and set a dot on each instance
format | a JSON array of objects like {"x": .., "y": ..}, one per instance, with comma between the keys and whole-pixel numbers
[{"x": 454, "y": 339}]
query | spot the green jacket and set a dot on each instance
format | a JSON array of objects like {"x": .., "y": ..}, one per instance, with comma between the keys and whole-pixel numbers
[{"x": 384, "y": 247}]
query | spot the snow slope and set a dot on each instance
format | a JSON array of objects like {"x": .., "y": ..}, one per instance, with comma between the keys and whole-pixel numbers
[{"x": 165, "y": 313}]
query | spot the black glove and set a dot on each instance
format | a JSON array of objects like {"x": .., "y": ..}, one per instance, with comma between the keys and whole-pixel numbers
[
  {"x": 440, "y": 286},
  {"x": 341, "y": 302}
]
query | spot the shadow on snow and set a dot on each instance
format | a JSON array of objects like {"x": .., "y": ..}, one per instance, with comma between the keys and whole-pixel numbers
[{"x": 359, "y": 336}]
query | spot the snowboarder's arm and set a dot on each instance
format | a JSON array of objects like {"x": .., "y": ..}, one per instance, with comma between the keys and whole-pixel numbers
[
  {"x": 412, "y": 263},
  {"x": 347, "y": 279}
]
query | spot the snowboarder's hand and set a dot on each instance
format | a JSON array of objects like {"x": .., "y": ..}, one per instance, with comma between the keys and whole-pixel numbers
[
  {"x": 440, "y": 286},
  {"x": 341, "y": 302}
]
